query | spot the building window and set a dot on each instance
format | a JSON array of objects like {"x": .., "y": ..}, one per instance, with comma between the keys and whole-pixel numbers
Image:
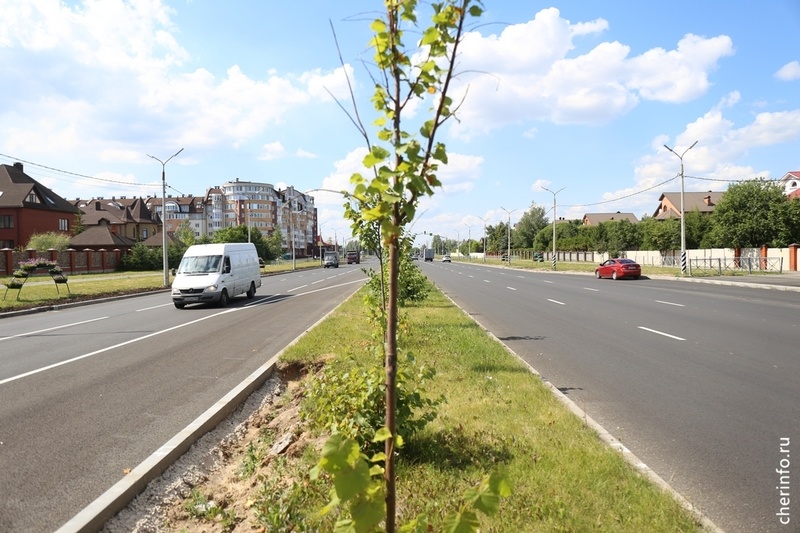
[
  {"x": 7, "y": 244},
  {"x": 6, "y": 221},
  {"x": 144, "y": 234},
  {"x": 63, "y": 224},
  {"x": 32, "y": 198}
]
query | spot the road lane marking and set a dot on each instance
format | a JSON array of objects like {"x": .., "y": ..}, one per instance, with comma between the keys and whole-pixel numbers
[
  {"x": 486, "y": 281},
  {"x": 547, "y": 281},
  {"x": 153, "y": 307},
  {"x": 556, "y": 302},
  {"x": 591, "y": 289},
  {"x": 669, "y": 303},
  {"x": 662, "y": 333},
  {"x": 318, "y": 281},
  {"x": 298, "y": 288},
  {"x": 36, "y": 332},
  {"x": 108, "y": 348},
  {"x": 511, "y": 288}
]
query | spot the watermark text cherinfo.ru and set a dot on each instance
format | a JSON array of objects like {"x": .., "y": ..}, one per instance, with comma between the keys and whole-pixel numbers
[{"x": 784, "y": 513}]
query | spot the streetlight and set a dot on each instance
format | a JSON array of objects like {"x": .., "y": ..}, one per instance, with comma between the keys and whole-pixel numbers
[
  {"x": 683, "y": 219},
  {"x": 554, "y": 221},
  {"x": 164, "y": 213},
  {"x": 508, "y": 255},
  {"x": 469, "y": 241},
  {"x": 484, "y": 238}
]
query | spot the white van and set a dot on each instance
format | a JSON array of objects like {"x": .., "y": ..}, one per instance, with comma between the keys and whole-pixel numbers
[{"x": 215, "y": 273}]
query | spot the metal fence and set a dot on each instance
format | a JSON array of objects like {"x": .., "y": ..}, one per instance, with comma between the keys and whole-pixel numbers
[{"x": 732, "y": 265}]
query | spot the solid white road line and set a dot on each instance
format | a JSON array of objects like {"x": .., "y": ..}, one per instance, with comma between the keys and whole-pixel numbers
[
  {"x": 36, "y": 332},
  {"x": 669, "y": 303},
  {"x": 662, "y": 333}
]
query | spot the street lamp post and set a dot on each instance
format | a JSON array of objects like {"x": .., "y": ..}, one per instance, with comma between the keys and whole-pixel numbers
[
  {"x": 469, "y": 241},
  {"x": 554, "y": 221},
  {"x": 484, "y": 238},
  {"x": 164, "y": 214},
  {"x": 508, "y": 254},
  {"x": 683, "y": 218}
]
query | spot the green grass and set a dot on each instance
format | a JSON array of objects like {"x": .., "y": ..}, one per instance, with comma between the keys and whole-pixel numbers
[
  {"x": 497, "y": 415},
  {"x": 41, "y": 290}
]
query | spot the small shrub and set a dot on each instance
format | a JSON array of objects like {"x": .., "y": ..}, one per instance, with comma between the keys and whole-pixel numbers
[{"x": 349, "y": 400}]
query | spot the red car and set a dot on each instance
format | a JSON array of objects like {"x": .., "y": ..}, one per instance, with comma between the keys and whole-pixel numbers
[{"x": 618, "y": 268}]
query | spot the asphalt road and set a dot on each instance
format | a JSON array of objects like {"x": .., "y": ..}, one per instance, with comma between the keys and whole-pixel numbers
[
  {"x": 88, "y": 392},
  {"x": 700, "y": 381}
]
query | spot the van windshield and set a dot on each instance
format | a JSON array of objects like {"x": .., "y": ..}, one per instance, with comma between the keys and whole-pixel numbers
[{"x": 201, "y": 264}]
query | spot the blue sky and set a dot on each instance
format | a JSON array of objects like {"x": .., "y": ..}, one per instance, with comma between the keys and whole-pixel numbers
[{"x": 579, "y": 96}]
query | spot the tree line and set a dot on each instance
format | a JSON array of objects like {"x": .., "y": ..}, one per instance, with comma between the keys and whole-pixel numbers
[{"x": 749, "y": 214}]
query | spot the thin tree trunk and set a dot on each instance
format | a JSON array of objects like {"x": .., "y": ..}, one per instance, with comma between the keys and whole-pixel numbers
[{"x": 391, "y": 384}]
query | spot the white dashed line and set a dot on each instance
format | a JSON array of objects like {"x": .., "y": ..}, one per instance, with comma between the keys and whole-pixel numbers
[
  {"x": 669, "y": 303},
  {"x": 662, "y": 333}
]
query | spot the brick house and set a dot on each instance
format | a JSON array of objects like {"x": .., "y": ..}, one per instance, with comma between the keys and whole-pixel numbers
[
  {"x": 28, "y": 207},
  {"x": 130, "y": 219},
  {"x": 669, "y": 203}
]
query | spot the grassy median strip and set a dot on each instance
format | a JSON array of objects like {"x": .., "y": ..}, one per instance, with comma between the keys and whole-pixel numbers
[{"x": 497, "y": 415}]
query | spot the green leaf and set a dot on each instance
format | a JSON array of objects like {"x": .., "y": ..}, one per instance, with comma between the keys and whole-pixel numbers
[
  {"x": 349, "y": 483},
  {"x": 382, "y": 435},
  {"x": 368, "y": 512},
  {"x": 464, "y": 522}
]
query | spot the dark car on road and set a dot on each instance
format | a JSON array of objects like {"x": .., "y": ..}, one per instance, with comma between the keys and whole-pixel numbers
[
  {"x": 618, "y": 268},
  {"x": 353, "y": 256}
]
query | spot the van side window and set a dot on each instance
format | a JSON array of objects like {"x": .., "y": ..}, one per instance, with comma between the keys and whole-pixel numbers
[{"x": 227, "y": 265}]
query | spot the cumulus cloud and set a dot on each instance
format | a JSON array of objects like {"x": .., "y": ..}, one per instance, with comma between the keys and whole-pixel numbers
[
  {"x": 104, "y": 74},
  {"x": 272, "y": 151},
  {"x": 789, "y": 72},
  {"x": 534, "y": 75}
]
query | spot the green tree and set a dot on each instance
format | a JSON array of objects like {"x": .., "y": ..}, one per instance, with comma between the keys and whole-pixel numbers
[
  {"x": 274, "y": 244},
  {"x": 497, "y": 238},
  {"x": 786, "y": 220},
  {"x": 661, "y": 235},
  {"x": 240, "y": 234},
  {"x": 185, "y": 233},
  {"x": 528, "y": 226},
  {"x": 403, "y": 168},
  {"x": 42, "y": 242},
  {"x": 698, "y": 229},
  {"x": 622, "y": 235},
  {"x": 745, "y": 215}
]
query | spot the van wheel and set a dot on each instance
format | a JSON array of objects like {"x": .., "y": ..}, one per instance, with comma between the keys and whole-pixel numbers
[
  {"x": 251, "y": 291},
  {"x": 223, "y": 298},
  {"x": 179, "y": 305}
]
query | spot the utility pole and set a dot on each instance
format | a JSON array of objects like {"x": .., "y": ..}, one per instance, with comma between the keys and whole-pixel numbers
[
  {"x": 164, "y": 214},
  {"x": 508, "y": 255},
  {"x": 683, "y": 213},
  {"x": 554, "y": 221}
]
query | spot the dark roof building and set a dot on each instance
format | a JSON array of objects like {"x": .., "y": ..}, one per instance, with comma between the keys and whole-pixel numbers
[
  {"x": 27, "y": 207},
  {"x": 669, "y": 205},
  {"x": 593, "y": 219}
]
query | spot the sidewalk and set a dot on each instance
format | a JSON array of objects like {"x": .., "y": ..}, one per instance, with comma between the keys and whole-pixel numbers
[{"x": 787, "y": 281}]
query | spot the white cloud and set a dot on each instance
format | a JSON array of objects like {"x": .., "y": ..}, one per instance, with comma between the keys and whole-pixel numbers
[
  {"x": 790, "y": 71},
  {"x": 305, "y": 154},
  {"x": 533, "y": 77},
  {"x": 272, "y": 151}
]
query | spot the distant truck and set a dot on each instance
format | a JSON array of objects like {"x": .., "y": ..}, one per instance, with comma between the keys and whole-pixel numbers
[
  {"x": 353, "y": 256},
  {"x": 429, "y": 254},
  {"x": 331, "y": 260},
  {"x": 215, "y": 273}
]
